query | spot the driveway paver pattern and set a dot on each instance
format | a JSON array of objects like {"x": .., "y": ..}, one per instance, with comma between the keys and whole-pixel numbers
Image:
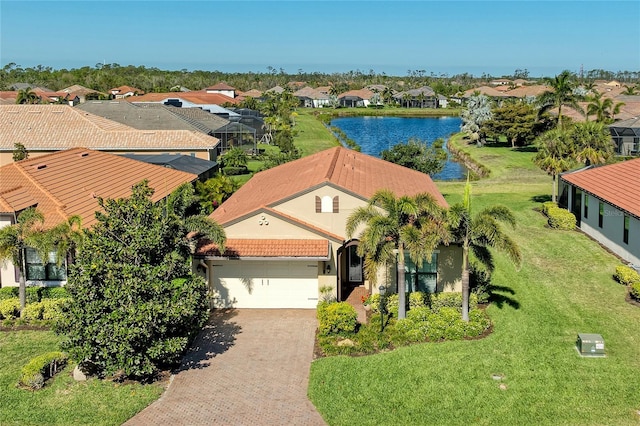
[{"x": 246, "y": 367}]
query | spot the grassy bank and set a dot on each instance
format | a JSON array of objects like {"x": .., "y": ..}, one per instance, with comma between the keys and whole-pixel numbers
[
  {"x": 564, "y": 288},
  {"x": 63, "y": 401},
  {"x": 390, "y": 112}
]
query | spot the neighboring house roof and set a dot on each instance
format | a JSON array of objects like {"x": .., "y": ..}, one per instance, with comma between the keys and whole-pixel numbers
[
  {"x": 276, "y": 89},
  {"x": 280, "y": 248},
  {"x": 200, "y": 116},
  {"x": 145, "y": 117},
  {"x": 253, "y": 93},
  {"x": 66, "y": 183},
  {"x": 354, "y": 172},
  {"x": 195, "y": 97},
  {"x": 360, "y": 93},
  {"x": 23, "y": 86},
  {"x": 125, "y": 89},
  {"x": 220, "y": 86},
  {"x": 484, "y": 90},
  {"x": 524, "y": 91},
  {"x": 632, "y": 123},
  {"x": 185, "y": 163},
  {"x": 618, "y": 184},
  {"x": 57, "y": 127},
  {"x": 311, "y": 93}
]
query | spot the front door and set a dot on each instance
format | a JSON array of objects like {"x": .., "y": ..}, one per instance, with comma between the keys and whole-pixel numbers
[{"x": 352, "y": 271}]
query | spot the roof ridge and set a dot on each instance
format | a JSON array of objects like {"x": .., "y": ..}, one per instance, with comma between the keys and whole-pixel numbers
[{"x": 332, "y": 164}]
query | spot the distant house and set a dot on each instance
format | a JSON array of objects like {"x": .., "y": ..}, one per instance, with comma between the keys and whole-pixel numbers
[
  {"x": 423, "y": 97},
  {"x": 64, "y": 184},
  {"x": 222, "y": 89},
  {"x": 356, "y": 98},
  {"x": 82, "y": 92},
  {"x": 125, "y": 91},
  {"x": 311, "y": 98},
  {"x": 286, "y": 234},
  {"x": 501, "y": 82},
  {"x": 606, "y": 203},
  {"x": 44, "y": 129},
  {"x": 626, "y": 136}
]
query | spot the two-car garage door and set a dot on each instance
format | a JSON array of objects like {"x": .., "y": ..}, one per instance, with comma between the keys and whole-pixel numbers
[{"x": 264, "y": 284}]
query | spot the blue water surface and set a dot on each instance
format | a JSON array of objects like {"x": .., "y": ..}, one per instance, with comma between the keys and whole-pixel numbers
[{"x": 375, "y": 134}]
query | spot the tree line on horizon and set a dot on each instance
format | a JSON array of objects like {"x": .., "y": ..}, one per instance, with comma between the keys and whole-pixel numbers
[{"x": 103, "y": 77}]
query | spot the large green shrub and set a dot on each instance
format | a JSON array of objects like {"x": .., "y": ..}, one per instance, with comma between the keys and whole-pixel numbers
[
  {"x": 41, "y": 368},
  {"x": 634, "y": 290},
  {"x": 560, "y": 218},
  {"x": 47, "y": 309},
  {"x": 10, "y": 308},
  {"x": 626, "y": 275},
  {"x": 135, "y": 304},
  {"x": 54, "y": 293},
  {"x": 548, "y": 205},
  {"x": 336, "y": 318},
  {"x": 8, "y": 293}
]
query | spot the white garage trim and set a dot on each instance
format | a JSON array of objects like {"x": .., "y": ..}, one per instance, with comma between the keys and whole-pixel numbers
[{"x": 265, "y": 284}]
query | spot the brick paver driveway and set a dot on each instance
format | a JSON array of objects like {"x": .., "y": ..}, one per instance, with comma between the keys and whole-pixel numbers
[{"x": 247, "y": 367}]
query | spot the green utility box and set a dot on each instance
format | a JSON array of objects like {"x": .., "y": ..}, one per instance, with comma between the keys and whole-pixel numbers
[{"x": 590, "y": 345}]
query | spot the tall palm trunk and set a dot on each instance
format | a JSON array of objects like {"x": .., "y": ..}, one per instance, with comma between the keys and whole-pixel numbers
[
  {"x": 465, "y": 281},
  {"x": 402, "y": 303},
  {"x": 22, "y": 289}
]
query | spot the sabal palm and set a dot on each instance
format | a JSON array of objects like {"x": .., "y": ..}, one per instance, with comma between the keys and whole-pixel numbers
[
  {"x": 478, "y": 233},
  {"x": 562, "y": 95},
  {"x": 393, "y": 225},
  {"x": 16, "y": 238},
  {"x": 555, "y": 150},
  {"x": 592, "y": 142}
]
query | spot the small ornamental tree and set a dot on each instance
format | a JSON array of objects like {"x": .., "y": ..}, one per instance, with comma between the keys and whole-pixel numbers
[
  {"x": 135, "y": 303},
  {"x": 416, "y": 155}
]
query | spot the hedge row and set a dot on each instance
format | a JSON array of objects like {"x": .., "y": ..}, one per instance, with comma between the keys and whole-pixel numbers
[
  {"x": 35, "y": 294},
  {"x": 626, "y": 275},
  {"x": 48, "y": 309},
  {"x": 558, "y": 218},
  {"x": 41, "y": 368},
  {"x": 433, "y": 301}
]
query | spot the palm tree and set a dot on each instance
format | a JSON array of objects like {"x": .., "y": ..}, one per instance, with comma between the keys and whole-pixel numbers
[
  {"x": 27, "y": 96},
  {"x": 66, "y": 238},
  {"x": 630, "y": 90},
  {"x": 184, "y": 207},
  {"x": 603, "y": 109},
  {"x": 555, "y": 150},
  {"x": 395, "y": 225},
  {"x": 476, "y": 234},
  {"x": 562, "y": 95},
  {"x": 593, "y": 144},
  {"x": 26, "y": 233}
]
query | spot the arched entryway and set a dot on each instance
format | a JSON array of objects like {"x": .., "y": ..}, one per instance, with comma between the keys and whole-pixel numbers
[{"x": 350, "y": 269}]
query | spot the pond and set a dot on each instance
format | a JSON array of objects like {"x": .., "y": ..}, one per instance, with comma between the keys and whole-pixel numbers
[{"x": 375, "y": 134}]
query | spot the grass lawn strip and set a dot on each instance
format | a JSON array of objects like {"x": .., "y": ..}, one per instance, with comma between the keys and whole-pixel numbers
[
  {"x": 62, "y": 401},
  {"x": 564, "y": 288}
]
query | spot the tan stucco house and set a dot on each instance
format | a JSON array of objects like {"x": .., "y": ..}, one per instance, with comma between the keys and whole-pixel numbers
[{"x": 286, "y": 233}]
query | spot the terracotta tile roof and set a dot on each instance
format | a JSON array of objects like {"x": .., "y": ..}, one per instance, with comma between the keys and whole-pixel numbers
[
  {"x": 352, "y": 171},
  {"x": 220, "y": 86},
  {"x": 308, "y": 92},
  {"x": 57, "y": 127},
  {"x": 196, "y": 97},
  {"x": 617, "y": 184},
  {"x": 66, "y": 183},
  {"x": 484, "y": 90},
  {"x": 360, "y": 93},
  {"x": 524, "y": 91},
  {"x": 253, "y": 93},
  {"x": 125, "y": 89},
  {"x": 239, "y": 248}
]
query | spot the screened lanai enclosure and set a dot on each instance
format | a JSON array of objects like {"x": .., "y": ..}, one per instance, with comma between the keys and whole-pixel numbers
[
  {"x": 626, "y": 136},
  {"x": 235, "y": 135}
]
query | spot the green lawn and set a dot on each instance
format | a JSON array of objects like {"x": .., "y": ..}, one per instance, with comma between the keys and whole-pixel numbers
[
  {"x": 312, "y": 136},
  {"x": 62, "y": 401},
  {"x": 564, "y": 288}
]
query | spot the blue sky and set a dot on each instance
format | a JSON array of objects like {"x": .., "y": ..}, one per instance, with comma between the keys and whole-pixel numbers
[{"x": 545, "y": 37}]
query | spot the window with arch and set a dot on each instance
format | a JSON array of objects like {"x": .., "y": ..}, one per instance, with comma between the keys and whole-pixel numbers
[{"x": 327, "y": 204}]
